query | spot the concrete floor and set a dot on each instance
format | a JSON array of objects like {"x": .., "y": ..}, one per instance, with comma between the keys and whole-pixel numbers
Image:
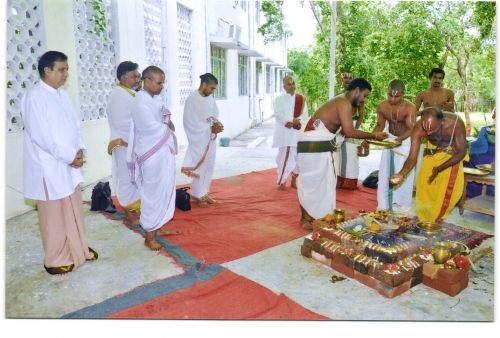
[{"x": 125, "y": 264}]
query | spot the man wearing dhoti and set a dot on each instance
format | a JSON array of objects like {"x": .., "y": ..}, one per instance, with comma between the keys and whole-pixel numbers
[
  {"x": 348, "y": 156},
  {"x": 201, "y": 125},
  {"x": 53, "y": 156},
  {"x": 317, "y": 151},
  {"x": 440, "y": 181},
  {"x": 119, "y": 118},
  {"x": 398, "y": 115},
  {"x": 151, "y": 155},
  {"x": 290, "y": 112}
]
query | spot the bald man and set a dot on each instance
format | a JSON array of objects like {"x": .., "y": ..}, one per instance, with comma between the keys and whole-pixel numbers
[
  {"x": 290, "y": 112},
  {"x": 440, "y": 181}
]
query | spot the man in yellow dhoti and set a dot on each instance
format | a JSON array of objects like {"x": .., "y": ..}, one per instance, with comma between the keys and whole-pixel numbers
[{"x": 440, "y": 181}]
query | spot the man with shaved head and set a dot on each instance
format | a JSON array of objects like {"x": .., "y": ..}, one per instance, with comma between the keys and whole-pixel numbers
[
  {"x": 440, "y": 181},
  {"x": 290, "y": 112},
  {"x": 151, "y": 154},
  {"x": 397, "y": 116}
]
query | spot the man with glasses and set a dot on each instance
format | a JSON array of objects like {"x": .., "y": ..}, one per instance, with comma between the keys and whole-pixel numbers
[
  {"x": 440, "y": 181},
  {"x": 201, "y": 125},
  {"x": 151, "y": 156},
  {"x": 119, "y": 117}
]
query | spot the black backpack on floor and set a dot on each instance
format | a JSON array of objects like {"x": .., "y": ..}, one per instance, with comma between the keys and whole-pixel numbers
[
  {"x": 183, "y": 199},
  {"x": 372, "y": 180},
  {"x": 101, "y": 198}
]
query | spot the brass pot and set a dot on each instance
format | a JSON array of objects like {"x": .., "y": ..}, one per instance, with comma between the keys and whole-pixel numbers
[
  {"x": 441, "y": 254},
  {"x": 338, "y": 215}
]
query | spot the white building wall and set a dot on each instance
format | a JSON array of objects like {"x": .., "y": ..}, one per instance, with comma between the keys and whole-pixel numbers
[{"x": 238, "y": 113}]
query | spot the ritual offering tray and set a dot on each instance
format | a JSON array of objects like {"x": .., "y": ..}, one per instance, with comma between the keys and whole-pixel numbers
[
  {"x": 475, "y": 171},
  {"x": 390, "y": 260},
  {"x": 387, "y": 143}
]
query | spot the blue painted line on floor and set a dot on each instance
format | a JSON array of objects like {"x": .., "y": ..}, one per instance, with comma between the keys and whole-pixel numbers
[
  {"x": 142, "y": 294},
  {"x": 196, "y": 272}
]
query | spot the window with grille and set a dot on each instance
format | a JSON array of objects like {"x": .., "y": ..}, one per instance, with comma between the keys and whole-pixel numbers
[
  {"x": 258, "y": 74},
  {"x": 152, "y": 33},
  {"x": 25, "y": 44},
  {"x": 268, "y": 79},
  {"x": 276, "y": 80},
  {"x": 243, "y": 74},
  {"x": 185, "y": 53},
  {"x": 218, "y": 59},
  {"x": 96, "y": 58},
  {"x": 244, "y": 5}
]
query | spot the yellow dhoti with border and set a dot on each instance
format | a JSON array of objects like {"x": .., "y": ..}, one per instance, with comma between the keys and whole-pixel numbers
[{"x": 434, "y": 201}]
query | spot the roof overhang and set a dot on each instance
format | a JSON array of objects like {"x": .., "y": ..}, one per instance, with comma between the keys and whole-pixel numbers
[{"x": 231, "y": 43}]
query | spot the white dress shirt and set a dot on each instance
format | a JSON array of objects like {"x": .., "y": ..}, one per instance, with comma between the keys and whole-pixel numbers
[{"x": 52, "y": 137}]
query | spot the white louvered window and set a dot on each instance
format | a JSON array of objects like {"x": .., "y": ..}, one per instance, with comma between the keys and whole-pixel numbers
[
  {"x": 96, "y": 56},
  {"x": 153, "y": 33},
  {"x": 243, "y": 74},
  {"x": 25, "y": 44},
  {"x": 185, "y": 53}
]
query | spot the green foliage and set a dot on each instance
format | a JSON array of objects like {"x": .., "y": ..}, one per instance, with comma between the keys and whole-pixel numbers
[
  {"x": 99, "y": 18},
  {"x": 381, "y": 42},
  {"x": 273, "y": 29}
]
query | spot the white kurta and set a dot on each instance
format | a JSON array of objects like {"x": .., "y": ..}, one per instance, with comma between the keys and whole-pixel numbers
[
  {"x": 402, "y": 195},
  {"x": 284, "y": 137},
  {"x": 52, "y": 137},
  {"x": 200, "y": 112},
  {"x": 157, "y": 171},
  {"x": 316, "y": 184},
  {"x": 119, "y": 119}
]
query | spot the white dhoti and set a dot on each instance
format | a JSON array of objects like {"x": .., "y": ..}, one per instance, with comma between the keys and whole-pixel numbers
[
  {"x": 126, "y": 192},
  {"x": 158, "y": 181},
  {"x": 286, "y": 162},
  {"x": 400, "y": 197},
  {"x": 349, "y": 161},
  {"x": 316, "y": 184},
  {"x": 200, "y": 186},
  {"x": 200, "y": 114}
]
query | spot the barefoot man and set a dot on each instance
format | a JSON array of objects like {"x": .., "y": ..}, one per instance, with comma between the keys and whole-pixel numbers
[
  {"x": 348, "y": 157},
  {"x": 290, "y": 112},
  {"x": 399, "y": 114},
  {"x": 151, "y": 156},
  {"x": 436, "y": 96},
  {"x": 440, "y": 181},
  {"x": 317, "y": 151}
]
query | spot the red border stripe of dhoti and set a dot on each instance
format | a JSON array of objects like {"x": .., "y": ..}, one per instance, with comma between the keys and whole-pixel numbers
[{"x": 449, "y": 191}]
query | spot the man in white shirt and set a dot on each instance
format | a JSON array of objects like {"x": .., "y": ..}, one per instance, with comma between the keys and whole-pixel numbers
[
  {"x": 53, "y": 156},
  {"x": 290, "y": 112},
  {"x": 201, "y": 125},
  {"x": 151, "y": 156},
  {"x": 119, "y": 118}
]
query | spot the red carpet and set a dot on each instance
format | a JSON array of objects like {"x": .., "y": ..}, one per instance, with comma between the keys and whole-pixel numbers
[
  {"x": 226, "y": 296},
  {"x": 252, "y": 215}
]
